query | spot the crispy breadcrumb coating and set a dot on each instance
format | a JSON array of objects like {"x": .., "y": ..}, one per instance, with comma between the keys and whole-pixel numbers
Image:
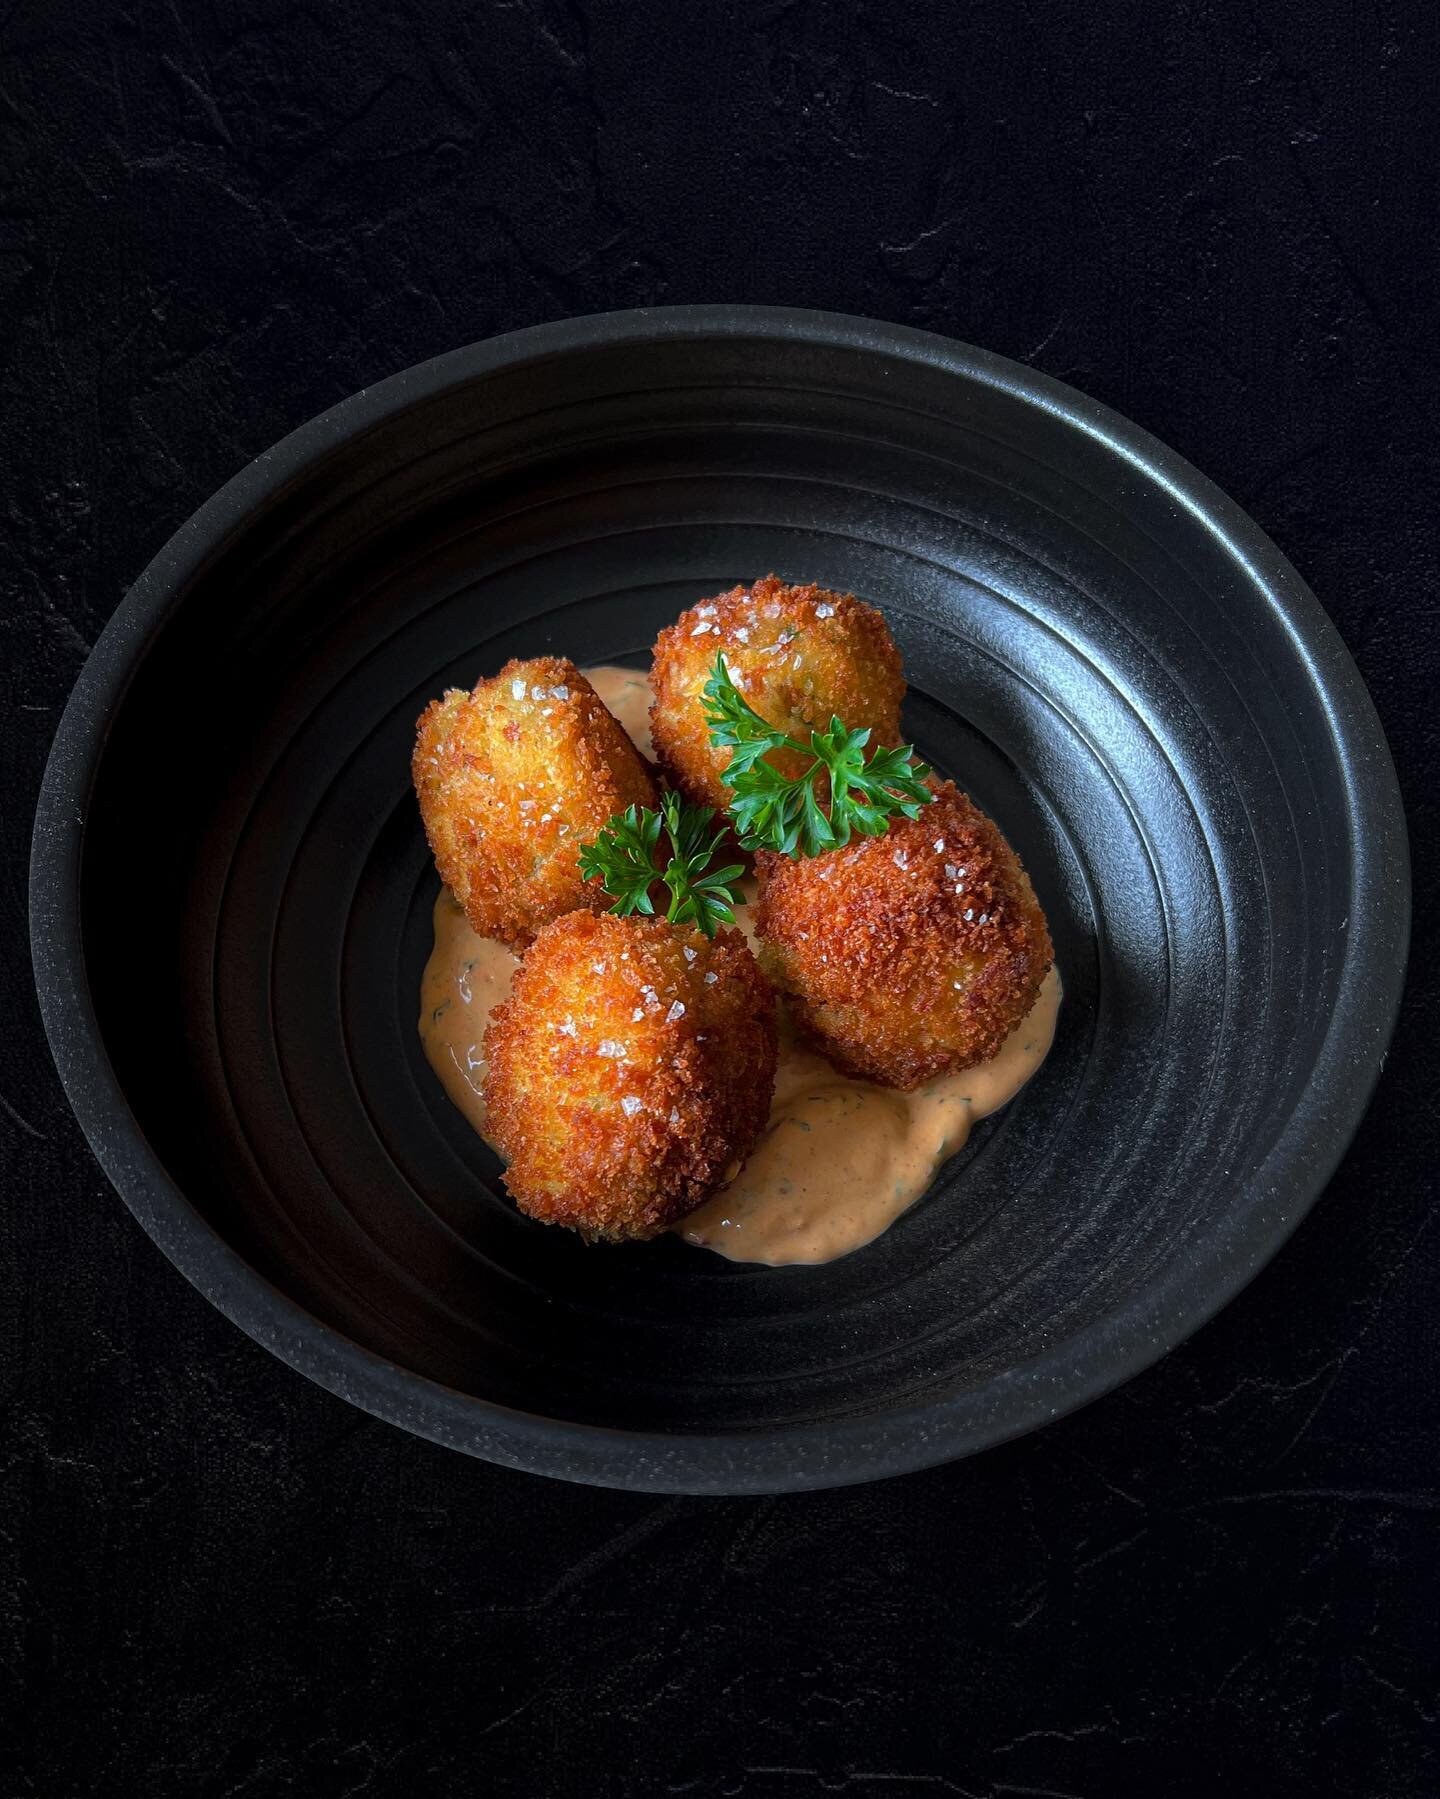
[
  {"x": 630, "y": 1072},
  {"x": 910, "y": 955},
  {"x": 512, "y": 779},
  {"x": 798, "y": 655}
]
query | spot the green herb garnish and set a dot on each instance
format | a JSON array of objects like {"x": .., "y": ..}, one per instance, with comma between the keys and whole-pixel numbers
[
  {"x": 773, "y": 811},
  {"x": 623, "y": 856}
]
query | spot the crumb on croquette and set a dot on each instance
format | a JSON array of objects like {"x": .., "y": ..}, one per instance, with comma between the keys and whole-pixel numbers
[
  {"x": 910, "y": 955},
  {"x": 798, "y": 655},
  {"x": 512, "y": 778},
  {"x": 630, "y": 1069}
]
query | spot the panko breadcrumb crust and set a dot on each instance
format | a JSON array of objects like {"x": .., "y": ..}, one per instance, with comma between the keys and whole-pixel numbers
[
  {"x": 631, "y": 1066},
  {"x": 910, "y": 955},
  {"x": 512, "y": 778},
  {"x": 797, "y": 654}
]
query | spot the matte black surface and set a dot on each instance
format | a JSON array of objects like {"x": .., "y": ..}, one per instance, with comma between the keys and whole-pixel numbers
[{"x": 224, "y": 1581}]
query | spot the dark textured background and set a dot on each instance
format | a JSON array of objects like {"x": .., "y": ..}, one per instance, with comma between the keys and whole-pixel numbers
[{"x": 216, "y": 220}]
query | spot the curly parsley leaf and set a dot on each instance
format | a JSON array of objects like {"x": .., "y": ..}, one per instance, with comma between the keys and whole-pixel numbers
[
  {"x": 623, "y": 858},
  {"x": 774, "y": 811}
]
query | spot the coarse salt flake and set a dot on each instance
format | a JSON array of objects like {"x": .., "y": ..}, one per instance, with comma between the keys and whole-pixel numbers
[
  {"x": 629, "y": 1105},
  {"x": 612, "y": 1048},
  {"x": 676, "y": 1011}
]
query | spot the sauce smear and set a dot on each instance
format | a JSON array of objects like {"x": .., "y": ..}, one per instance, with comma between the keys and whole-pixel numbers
[{"x": 840, "y": 1160}]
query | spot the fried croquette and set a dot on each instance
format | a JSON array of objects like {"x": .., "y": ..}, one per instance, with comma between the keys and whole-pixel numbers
[
  {"x": 630, "y": 1071},
  {"x": 910, "y": 955},
  {"x": 799, "y": 655},
  {"x": 512, "y": 779}
]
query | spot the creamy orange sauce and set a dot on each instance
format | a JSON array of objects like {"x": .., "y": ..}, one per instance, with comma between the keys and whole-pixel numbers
[
  {"x": 840, "y": 1159},
  {"x": 464, "y": 980}
]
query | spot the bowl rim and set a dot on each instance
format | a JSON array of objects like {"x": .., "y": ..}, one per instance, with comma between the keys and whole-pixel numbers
[{"x": 789, "y": 1457}]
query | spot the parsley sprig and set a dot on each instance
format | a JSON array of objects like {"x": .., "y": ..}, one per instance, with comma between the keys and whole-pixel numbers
[
  {"x": 774, "y": 811},
  {"x": 623, "y": 855}
]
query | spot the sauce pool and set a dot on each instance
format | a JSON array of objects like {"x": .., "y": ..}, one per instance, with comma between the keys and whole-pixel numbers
[{"x": 840, "y": 1159}]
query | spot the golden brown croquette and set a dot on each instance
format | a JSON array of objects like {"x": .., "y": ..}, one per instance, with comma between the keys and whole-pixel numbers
[
  {"x": 630, "y": 1070},
  {"x": 512, "y": 778},
  {"x": 798, "y": 655},
  {"x": 910, "y": 955}
]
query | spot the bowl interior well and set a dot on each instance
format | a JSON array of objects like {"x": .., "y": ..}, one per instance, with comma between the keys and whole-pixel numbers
[{"x": 1085, "y": 658}]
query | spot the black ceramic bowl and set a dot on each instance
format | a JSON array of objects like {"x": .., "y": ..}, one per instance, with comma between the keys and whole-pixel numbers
[{"x": 231, "y": 892}]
